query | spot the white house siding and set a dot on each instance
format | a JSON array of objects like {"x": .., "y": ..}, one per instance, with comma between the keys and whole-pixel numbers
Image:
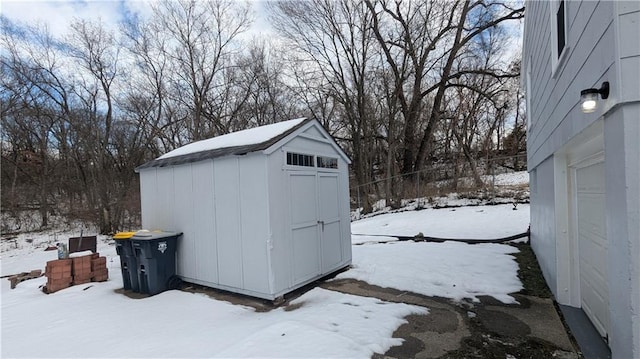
[
  {"x": 555, "y": 101},
  {"x": 602, "y": 44},
  {"x": 622, "y": 137},
  {"x": 629, "y": 51},
  {"x": 622, "y": 161},
  {"x": 543, "y": 218}
]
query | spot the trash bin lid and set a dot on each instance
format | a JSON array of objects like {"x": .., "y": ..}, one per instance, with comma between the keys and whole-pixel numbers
[
  {"x": 143, "y": 233},
  {"x": 123, "y": 235},
  {"x": 148, "y": 235}
]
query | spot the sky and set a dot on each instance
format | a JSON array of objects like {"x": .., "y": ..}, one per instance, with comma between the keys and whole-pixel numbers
[{"x": 58, "y": 14}]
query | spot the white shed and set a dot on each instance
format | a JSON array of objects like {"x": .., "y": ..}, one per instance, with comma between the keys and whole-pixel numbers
[{"x": 262, "y": 211}]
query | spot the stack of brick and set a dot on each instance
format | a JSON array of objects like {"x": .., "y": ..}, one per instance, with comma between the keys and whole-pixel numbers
[
  {"x": 58, "y": 274},
  {"x": 82, "y": 269},
  {"x": 99, "y": 269},
  {"x": 62, "y": 273}
]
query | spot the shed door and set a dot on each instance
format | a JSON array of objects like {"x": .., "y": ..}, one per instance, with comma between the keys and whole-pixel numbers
[
  {"x": 330, "y": 239},
  {"x": 315, "y": 223},
  {"x": 304, "y": 225},
  {"x": 592, "y": 244}
]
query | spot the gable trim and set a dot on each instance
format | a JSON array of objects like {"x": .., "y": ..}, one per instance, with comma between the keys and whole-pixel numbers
[{"x": 299, "y": 132}]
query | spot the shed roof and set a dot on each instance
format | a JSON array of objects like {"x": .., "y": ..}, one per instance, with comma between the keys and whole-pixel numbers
[{"x": 236, "y": 143}]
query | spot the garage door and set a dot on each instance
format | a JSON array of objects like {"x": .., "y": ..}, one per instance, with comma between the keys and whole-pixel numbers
[{"x": 592, "y": 244}]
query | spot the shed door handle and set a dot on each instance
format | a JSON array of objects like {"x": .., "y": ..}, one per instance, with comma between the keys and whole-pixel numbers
[{"x": 322, "y": 223}]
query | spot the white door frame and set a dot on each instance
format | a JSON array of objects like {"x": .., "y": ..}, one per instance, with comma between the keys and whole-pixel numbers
[
  {"x": 586, "y": 147},
  {"x": 574, "y": 166}
]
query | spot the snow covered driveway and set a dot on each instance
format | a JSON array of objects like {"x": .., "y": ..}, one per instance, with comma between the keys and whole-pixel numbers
[{"x": 450, "y": 269}]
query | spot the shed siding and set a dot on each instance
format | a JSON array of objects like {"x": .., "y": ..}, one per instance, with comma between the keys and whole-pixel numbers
[
  {"x": 204, "y": 219},
  {"x": 304, "y": 145},
  {"x": 345, "y": 211},
  {"x": 254, "y": 221},
  {"x": 165, "y": 201},
  {"x": 148, "y": 197},
  {"x": 183, "y": 217},
  {"x": 554, "y": 107},
  {"x": 227, "y": 217},
  {"x": 313, "y": 131},
  {"x": 281, "y": 260}
]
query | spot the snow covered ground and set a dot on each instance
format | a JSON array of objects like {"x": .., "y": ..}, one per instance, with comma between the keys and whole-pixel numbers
[
  {"x": 94, "y": 320},
  {"x": 27, "y": 251},
  {"x": 98, "y": 322},
  {"x": 509, "y": 179},
  {"x": 476, "y": 222}
]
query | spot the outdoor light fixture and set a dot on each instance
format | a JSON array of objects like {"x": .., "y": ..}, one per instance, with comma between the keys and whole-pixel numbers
[{"x": 589, "y": 97}]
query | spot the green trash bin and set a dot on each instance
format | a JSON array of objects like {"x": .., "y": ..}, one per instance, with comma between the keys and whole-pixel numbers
[
  {"x": 128, "y": 263},
  {"x": 155, "y": 254}
]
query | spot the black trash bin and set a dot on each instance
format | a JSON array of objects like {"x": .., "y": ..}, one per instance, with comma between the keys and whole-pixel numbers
[
  {"x": 128, "y": 263},
  {"x": 156, "y": 259}
]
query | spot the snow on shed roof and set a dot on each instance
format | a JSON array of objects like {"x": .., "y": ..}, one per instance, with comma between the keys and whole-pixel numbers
[
  {"x": 240, "y": 138},
  {"x": 235, "y": 143}
]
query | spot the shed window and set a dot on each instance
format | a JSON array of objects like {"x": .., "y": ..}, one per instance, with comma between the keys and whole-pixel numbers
[
  {"x": 298, "y": 159},
  {"x": 327, "y": 162}
]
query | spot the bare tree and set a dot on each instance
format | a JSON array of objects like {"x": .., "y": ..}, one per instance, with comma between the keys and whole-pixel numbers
[
  {"x": 37, "y": 101},
  {"x": 265, "y": 97},
  {"x": 335, "y": 43},
  {"x": 200, "y": 45},
  {"x": 402, "y": 85},
  {"x": 96, "y": 51}
]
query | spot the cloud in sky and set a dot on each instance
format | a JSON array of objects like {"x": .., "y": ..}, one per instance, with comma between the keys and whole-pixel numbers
[{"x": 58, "y": 14}]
